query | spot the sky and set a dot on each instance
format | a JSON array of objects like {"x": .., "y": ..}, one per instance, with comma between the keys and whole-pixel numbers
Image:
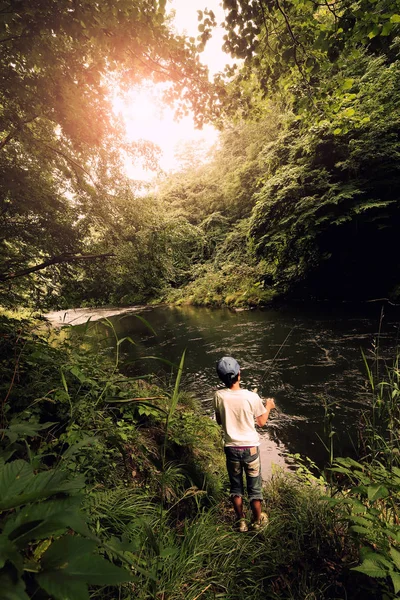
[
  {"x": 186, "y": 21},
  {"x": 143, "y": 116}
]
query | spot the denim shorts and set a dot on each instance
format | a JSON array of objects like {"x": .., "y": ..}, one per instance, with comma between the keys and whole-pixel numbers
[{"x": 239, "y": 460}]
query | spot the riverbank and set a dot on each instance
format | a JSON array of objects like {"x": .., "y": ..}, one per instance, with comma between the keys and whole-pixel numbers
[
  {"x": 142, "y": 472},
  {"x": 80, "y": 316},
  {"x": 149, "y": 471},
  {"x": 272, "y": 451},
  {"x": 237, "y": 285}
]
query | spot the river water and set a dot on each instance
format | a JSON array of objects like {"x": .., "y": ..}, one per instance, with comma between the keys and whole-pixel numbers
[{"x": 307, "y": 360}]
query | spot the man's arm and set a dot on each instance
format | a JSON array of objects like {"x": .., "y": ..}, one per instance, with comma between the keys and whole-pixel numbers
[
  {"x": 216, "y": 410},
  {"x": 262, "y": 419}
]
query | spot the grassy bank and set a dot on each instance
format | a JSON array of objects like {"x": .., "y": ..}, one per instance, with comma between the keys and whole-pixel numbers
[
  {"x": 115, "y": 487},
  {"x": 235, "y": 285}
]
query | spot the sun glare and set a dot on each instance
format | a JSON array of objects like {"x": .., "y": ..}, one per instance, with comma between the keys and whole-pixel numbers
[{"x": 145, "y": 115}]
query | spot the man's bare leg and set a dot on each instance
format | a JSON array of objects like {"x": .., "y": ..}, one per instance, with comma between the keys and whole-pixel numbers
[
  {"x": 238, "y": 506},
  {"x": 256, "y": 508}
]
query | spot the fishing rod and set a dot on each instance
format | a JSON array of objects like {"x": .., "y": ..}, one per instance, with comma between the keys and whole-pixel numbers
[
  {"x": 274, "y": 359},
  {"x": 277, "y": 354}
]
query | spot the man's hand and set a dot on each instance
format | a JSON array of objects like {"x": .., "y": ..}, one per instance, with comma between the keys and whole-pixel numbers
[{"x": 269, "y": 403}]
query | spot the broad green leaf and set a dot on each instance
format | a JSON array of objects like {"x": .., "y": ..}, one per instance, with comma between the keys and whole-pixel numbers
[
  {"x": 11, "y": 589},
  {"x": 395, "y": 19},
  {"x": 395, "y": 554},
  {"x": 8, "y": 551},
  {"x": 5, "y": 455},
  {"x": 367, "y": 554},
  {"x": 370, "y": 568},
  {"x": 96, "y": 570},
  {"x": 395, "y": 577},
  {"x": 46, "y": 518},
  {"x": 16, "y": 430},
  {"x": 386, "y": 28},
  {"x": 62, "y": 588},
  {"x": 65, "y": 549},
  {"x": 348, "y": 84},
  {"x": 71, "y": 557},
  {"x": 38, "y": 487},
  {"x": 14, "y": 477},
  {"x": 377, "y": 491},
  {"x": 374, "y": 32},
  {"x": 377, "y": 558},
  {"x": 349, "y": 112}
]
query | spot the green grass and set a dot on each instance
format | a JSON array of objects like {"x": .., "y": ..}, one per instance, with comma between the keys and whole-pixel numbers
[{"x": 304, "y": 552}]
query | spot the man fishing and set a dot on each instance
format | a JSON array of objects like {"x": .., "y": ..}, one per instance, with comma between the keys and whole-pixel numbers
[{"x": 237, "y": 410}]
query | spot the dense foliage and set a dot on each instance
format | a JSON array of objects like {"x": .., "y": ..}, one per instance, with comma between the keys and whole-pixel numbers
[
  {"x": 77, "y": 438},
  {"x": 298, "y": 199},
  {"x": 63, "y": 188},
  {"x": 318, "y": 89}
]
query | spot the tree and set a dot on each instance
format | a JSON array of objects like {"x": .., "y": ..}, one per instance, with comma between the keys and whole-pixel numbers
[
  {"x": 326, "y": 206},
  {"x": 276, "y": 38},
  {"x": 326, "y": 218},
  {"x": 61, "y": 165}
]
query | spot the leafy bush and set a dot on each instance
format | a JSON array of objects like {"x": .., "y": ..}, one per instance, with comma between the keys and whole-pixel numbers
[
  {"x": 372, "y": 498},
  {"x": 45, "y": 541}
]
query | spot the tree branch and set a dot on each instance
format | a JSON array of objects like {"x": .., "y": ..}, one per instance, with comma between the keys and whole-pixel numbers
[
  {"x": 66, "y": 157},
  {"x": 296, "y": 44},
  {"x": 5, "y": 140},
  {"x": 62, "y": 258},
  {"x": 19, "y": 127}
]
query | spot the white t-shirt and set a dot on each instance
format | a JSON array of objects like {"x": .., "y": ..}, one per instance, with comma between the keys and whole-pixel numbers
[{"x": 238, "y": 410}]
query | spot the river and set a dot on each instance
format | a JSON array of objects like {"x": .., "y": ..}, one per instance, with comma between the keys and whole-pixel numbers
[{"x": 308, "y": 360}]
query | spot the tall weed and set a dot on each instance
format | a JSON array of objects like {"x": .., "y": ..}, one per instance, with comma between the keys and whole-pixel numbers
[{"x": 370, "y": 488}]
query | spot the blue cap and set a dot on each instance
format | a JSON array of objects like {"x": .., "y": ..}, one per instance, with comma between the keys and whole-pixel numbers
[{"x": 227, "y": 368}]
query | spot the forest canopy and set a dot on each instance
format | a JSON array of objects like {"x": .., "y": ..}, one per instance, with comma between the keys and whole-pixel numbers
[
  {"x": 63, "y": 182},
  {"x": 299, "y": 199}
]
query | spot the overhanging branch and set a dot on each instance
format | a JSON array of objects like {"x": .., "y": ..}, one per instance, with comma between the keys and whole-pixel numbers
[{"x": 62, "y": 258}]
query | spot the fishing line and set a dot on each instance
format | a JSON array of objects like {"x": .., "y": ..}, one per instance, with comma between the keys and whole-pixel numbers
[
  {"x": 277, "y": 354},
  {"x": 278, "y": 410}
]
